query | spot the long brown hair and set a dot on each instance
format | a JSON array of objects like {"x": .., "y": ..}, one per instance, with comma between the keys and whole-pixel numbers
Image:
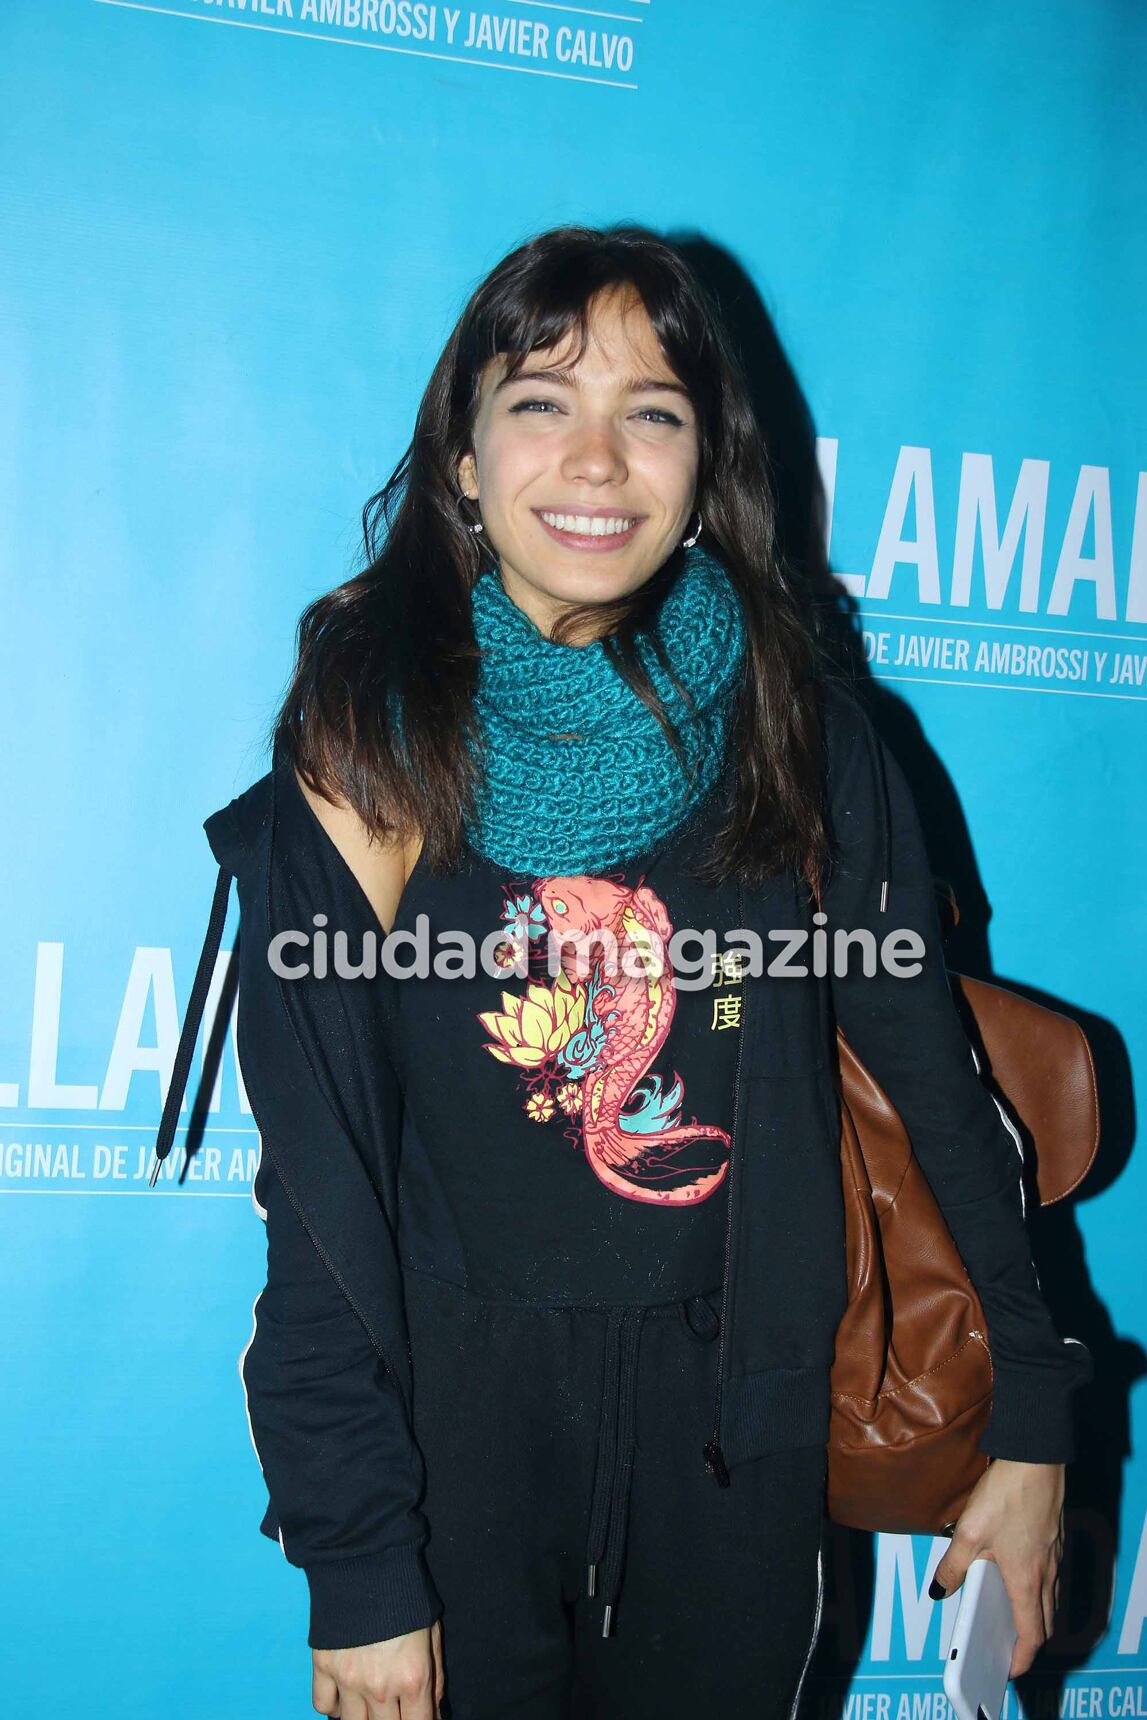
[{"x": 380, "y": 708}]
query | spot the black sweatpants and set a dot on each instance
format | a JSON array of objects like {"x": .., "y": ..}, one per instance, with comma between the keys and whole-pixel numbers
[{"x": 559, "y": 1437}]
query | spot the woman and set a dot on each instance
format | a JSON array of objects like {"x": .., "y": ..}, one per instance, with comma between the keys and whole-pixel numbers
[{"x": 539, "y": 1379}]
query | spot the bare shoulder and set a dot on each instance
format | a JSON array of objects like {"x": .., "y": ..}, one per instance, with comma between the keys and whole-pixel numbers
[{"x": 381, "y": 868}]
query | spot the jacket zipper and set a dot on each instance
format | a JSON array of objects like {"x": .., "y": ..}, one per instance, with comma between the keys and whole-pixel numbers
[{"x": 714, "y": 1456}]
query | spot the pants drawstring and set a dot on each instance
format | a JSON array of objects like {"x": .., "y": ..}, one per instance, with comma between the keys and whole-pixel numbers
[
  {"x": 616, "y": 1440},
  {"x": 609, "y": 1509}
]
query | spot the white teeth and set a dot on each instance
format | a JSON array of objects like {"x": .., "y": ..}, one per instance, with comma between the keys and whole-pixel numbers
[{"x": 588, "y": 525}]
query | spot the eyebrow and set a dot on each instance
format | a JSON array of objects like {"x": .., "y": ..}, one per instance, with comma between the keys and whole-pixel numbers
[{"x": 566, "y": 376}]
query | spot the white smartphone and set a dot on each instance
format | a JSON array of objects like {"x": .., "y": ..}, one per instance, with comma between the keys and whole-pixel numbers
[{"x": 982, "y": 1645}]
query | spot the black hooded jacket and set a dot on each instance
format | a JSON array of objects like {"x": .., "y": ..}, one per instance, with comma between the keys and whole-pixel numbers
[{"x": 327, "y": 1372}]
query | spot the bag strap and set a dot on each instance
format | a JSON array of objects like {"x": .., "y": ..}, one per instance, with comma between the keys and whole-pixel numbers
[{"x": 191, "y": 1022}]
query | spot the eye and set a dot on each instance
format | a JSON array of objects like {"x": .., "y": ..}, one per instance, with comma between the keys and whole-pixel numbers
[
  {"x": 525, "y": 405},
  {"x": 663, "y": 417},
  {"x": 559, "y": 906}
]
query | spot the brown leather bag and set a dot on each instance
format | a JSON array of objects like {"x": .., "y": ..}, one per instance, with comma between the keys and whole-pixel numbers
[{"x": 911, "y": 1382}]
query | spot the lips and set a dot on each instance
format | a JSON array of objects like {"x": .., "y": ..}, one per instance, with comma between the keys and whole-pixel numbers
[{"x": 594, "y": 529}]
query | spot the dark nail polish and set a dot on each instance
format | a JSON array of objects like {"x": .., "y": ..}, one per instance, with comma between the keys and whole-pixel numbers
[{"x": 936, "y": 1591}]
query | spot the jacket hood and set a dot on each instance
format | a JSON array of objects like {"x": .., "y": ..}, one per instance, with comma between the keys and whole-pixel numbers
[
  {"x": 845, "y": 717},
  {"x": 234, "y": 834},
  {"x": 234, "y": 831}
]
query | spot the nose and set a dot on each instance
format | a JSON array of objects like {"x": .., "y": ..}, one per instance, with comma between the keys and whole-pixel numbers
[{"x": 594, "y": 453}]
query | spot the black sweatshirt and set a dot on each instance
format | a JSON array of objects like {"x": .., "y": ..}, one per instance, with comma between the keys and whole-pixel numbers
[{"x": 327, "y": 1373}]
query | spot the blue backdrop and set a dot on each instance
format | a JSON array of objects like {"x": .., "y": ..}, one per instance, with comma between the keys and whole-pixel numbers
[{"x": 236, "y": 234}]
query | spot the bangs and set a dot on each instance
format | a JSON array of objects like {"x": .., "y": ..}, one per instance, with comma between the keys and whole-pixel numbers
[{"x": 546, "y": 308}]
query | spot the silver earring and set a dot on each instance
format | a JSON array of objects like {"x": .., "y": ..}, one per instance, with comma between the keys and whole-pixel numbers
[
  {"x": 687, "y": 543},
  {"x": 477, "y": 526}
]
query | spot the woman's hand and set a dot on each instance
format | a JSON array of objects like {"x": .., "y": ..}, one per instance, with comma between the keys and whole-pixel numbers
[
  {"x": 1014, "y": 1516},
  {"x": 402, "y": 1678}
]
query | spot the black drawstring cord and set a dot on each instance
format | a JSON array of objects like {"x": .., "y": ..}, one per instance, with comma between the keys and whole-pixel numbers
[
  {"x": 606, "y": 1450},
  {"x": 189, "y": 1033},
  {"x": 609, "y": 1509}
]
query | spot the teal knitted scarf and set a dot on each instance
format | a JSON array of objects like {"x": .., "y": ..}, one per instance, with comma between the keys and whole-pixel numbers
[{"x": 578, "y": 775}]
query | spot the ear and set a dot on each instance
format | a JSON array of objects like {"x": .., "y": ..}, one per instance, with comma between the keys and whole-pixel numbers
[{"x": 468, "y": 476}]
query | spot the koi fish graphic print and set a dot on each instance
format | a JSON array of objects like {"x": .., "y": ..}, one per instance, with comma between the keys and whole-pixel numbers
[
  {"x": 564, "y": 1101},
  {"x": 586, "y": 1045}
]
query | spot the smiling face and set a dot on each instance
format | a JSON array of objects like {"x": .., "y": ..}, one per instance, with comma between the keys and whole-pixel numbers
[{"x": 585, "y": 475}]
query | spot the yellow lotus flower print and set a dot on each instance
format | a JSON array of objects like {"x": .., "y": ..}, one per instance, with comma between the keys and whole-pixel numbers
[{"x": 532, "y": 1027}]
